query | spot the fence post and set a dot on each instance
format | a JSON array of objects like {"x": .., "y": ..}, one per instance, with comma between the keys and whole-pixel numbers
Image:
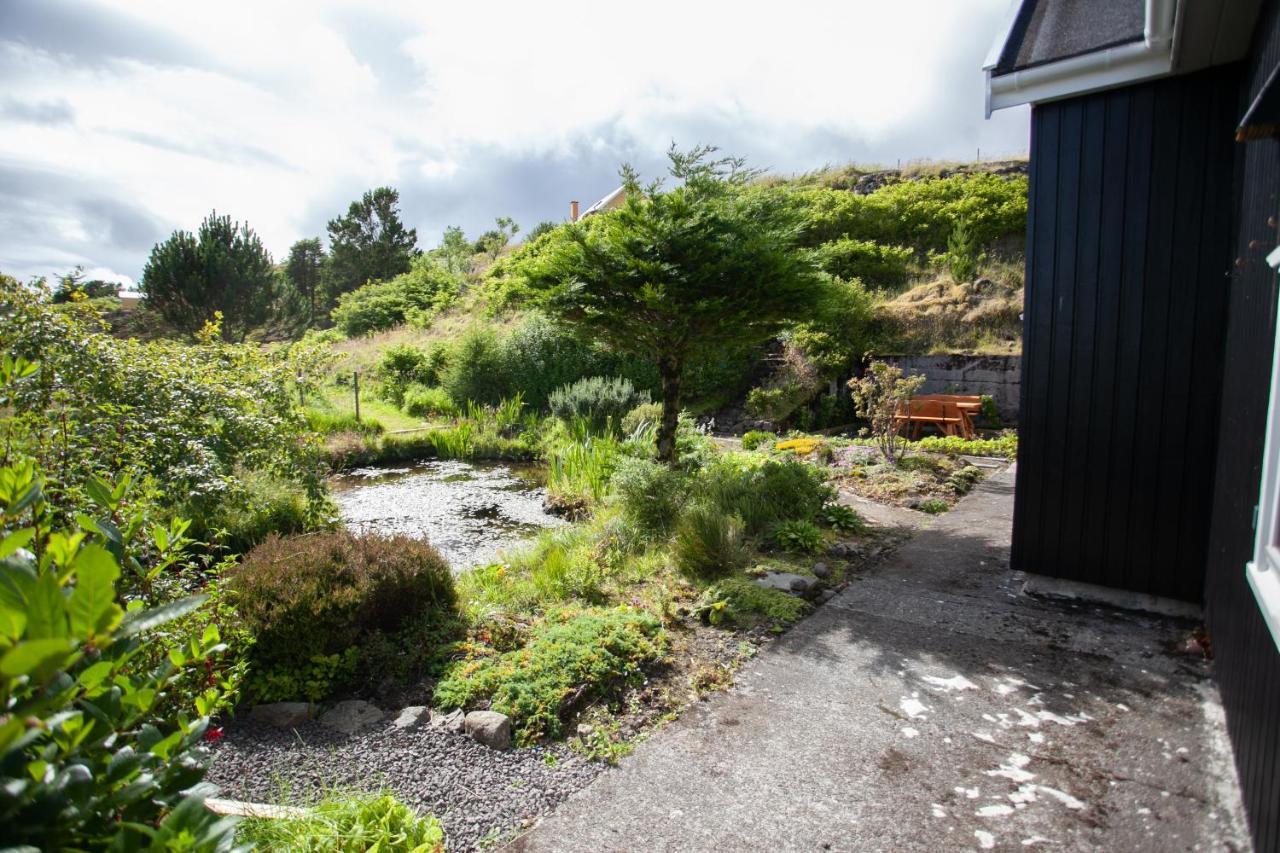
[{"x": 355, "y": 384}]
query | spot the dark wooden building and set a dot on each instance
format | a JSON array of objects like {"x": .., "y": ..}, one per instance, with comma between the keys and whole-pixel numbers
[{"x": 1149, "y": 456}]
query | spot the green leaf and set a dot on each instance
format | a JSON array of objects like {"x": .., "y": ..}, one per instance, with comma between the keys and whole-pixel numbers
[
  {"x": 46, "y": 609},
  {"x": 12, "y": 622},
  {"x": 15, "y": 540},
  {"x": 95, "y": 674},
  {"x": 139, "y": 621},
  {"x": 37, "y": 657},
  {"x": 99, "y": 492},
  {"x": 92, "y": 608}
]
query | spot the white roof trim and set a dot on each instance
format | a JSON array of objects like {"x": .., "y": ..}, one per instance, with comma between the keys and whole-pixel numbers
[
  {"x": 603, "y": 203},
  {"x": 1089, "y": 72}
]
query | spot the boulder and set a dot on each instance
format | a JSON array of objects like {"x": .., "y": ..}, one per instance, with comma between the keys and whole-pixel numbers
[
  {"x": 453, "y": 722},
  {"x": 412, "y": 717},
  {"x": 787, "y": 582},
  {"x": 351, "y": 715},
  {"x": 821, "y": 570},
  {"x": 490, "y": 728},
  {"x": 282, "y": 715},
  {"x": 827, "y": 595}
]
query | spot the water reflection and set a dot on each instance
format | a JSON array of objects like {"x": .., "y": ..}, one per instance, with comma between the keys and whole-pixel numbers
[{"x": 469, "y": 512}]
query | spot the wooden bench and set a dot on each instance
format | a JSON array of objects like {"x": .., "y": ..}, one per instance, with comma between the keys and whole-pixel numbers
[{"x": 969, "y": 406}]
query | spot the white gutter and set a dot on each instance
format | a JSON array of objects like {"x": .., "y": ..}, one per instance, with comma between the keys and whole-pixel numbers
[{"x": 1090, "y": 72}]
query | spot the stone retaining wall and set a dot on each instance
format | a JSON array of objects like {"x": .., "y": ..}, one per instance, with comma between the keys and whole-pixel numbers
[{"x": 998, "y": 376}]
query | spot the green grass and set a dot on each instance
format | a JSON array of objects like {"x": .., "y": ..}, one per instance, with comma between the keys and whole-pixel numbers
[
  {"x": 333, "y": 400},
  {"x": 347, "y": 823}
]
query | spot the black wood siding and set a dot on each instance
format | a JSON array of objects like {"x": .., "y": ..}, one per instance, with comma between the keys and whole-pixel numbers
[
  {"x": 1246, "y": 662},
  {"x": 1128, "y": 251}
]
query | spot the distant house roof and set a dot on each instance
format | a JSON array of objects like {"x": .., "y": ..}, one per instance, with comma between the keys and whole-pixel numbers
[
  {"x": 1050, "y": 49},
  {"x": 609, "y": 202}
]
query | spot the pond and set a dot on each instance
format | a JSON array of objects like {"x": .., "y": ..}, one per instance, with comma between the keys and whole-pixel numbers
[{"x": 469, "y": 511}]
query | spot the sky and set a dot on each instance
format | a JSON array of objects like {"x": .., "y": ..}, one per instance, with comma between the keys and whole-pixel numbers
[{"x": 122, "y": 121}]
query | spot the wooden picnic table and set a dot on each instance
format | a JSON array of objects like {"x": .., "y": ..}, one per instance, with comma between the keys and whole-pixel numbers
[{"x": 950, "y": 414}]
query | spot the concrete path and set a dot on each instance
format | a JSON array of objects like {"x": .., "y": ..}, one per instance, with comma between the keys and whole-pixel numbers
[{"x": 931, "y": 706}]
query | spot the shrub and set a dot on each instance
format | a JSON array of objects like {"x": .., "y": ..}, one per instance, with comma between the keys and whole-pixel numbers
[
  {"x": 421, "y": 401},
  {"x": 962, "y": 480},
  {"x": 642, "y": 417},
  {"x": 253, "y": 509},
  {"x": 844, "y": 519},
  {"x": 89, "y": 758},
  {"x": 412, "y": 297},
  {"x": 400, "y": 366},
  {"x": 476, "y": 370},
  {"x": 879, "y": 266},
  {"x": 880, "y": 394},
  {"x": 651, "y": 496},
  {"x": 765, "y": 494},
  {"x": 708, "y": 542},
  {"x": 573, "y": 657},
  {"x": 308, "y": 598},
  {"x": 741, "y": 603},
  {"x": 934, "y": 506},
  {"x": 755, "y": 438},
  {"x": 963, "y": 253},
  {"x": 800, "y": 536},
  {"x": 598, "y": 400},
  {"x": 348, "y": 823},
  {"x": 1006, "y": 445}
]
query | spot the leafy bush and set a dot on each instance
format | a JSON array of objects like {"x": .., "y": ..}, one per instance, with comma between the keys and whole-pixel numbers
[
  {"x": 600, "y": 401},
  {"x": 934, "y": 506},
  {"x": 739, "y": 602},
  {"x": 708, "y": 543},
  {"x": 402, "y": 365},
  {"x": 651, "y": 496},
  {"x": 763, "y": 495},
  {"x": 421, "y": 401},
  {"x": 642, "y": 417},
  {"x": 572, "y": 656},
  {"x": 87, "y": 758},
  {"x": 756, "y": 438},
  {"x": 801, "y": 536},
  {"x": 308, "y": 598},
  {"x": 476, "y": 368},
  {"x": 1006, "y": 445},
  {"x": 844, "y": 327},
  {"x": 962, "y": 480},
  {"x": 879, "y": 266},
  {"x": 844, "y": 519},
  {"x": 880, "y": 394},
  {"x": 252, "y": 509},
  {"x": 412, "y": 297},
  {"x": 348, "y": 823}
]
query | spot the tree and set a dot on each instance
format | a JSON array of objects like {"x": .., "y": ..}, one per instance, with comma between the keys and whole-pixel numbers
[
  {"x": 304, "y": 269},
  {"x": 673, "y": 274},
  {"x": 879, "y": 395},
  {"x": 493, "y": 241},
  {"x": 73, "y": 285},
  {"x": 370, "y": 243},
  {"x": 223, "y": 267},
  {"x": 544, "y": 227},
  {"x": 455, "y": 251}
]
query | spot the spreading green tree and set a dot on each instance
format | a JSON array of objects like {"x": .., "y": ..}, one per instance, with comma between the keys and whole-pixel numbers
[
  {"x": 305, "y": 270},
  {"x": 544, "y": 227},
  {"x": 455, "y": 251},
  {"x": 370, "y": 243},
  {"x": 73, "y": 285},
  {"x": 493, "y": 241},
  {"x": 223, "y": 267},
  {"x": 674, "y": 274}
]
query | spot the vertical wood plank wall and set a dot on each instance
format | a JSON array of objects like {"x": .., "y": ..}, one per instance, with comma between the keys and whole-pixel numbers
[
  {"x": 1246, "y": 662},
  {"x": 1128, "y": 253}
]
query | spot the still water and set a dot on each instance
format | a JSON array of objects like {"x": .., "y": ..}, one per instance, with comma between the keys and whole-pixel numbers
[{"x": 469, "y": 511}]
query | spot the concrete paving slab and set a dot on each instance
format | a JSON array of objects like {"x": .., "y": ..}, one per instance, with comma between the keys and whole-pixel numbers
[{"x": 931, "y": 706}]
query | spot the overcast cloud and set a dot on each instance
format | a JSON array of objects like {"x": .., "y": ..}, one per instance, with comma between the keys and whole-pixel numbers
[{"x": 123, "y": 120}]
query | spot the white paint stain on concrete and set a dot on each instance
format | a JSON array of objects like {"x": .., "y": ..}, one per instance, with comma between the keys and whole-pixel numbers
[
  {"x": 968, "y": 793},
  {"x": 985, "y": 839},
  {"x": 1035, "y": 737},
  {"x": 1036, "y": 839},
  {"x": 998, "y": 810},
  {"x": 912, "y": 707},
  {"x": 939, "y": 811},
  {"x": 1013, "y": 769},
  {"x": 1062, "y": 797}
]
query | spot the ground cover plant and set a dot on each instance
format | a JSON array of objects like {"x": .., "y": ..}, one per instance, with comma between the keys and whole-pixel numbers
[{"x": 347, "y": 823}]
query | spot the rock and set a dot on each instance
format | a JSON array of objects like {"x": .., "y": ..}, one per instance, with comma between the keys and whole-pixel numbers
[
  {"x": 453, "y": 722},
  {"x": 412, "y": 717},
  {"x": 585, "y": 731},
  {"x": 827, "y": 595},
  {"x": 821, "y": 570},
  {"x": 787, "y": 582},
  {"x": 351, "y": 715},
  {"x": 490, "y": 728},
  {"x": 282, "y": 715},
  {"x": 838, "y": 550}
]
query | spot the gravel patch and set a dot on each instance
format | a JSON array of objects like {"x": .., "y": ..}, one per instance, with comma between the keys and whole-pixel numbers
[{"x": 478, "y": 794}]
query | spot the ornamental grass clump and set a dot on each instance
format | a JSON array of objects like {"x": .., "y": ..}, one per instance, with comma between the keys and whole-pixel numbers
[
  {"x": 708, "y": 543},
  {"x": 348, "y": 823},
  {"x": 316, "y": 604}
]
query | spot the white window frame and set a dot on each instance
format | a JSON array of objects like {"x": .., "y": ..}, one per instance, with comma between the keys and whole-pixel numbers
[{"x": 1263, "y": 571}]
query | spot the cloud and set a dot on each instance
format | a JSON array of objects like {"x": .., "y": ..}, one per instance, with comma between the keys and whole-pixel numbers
[{"x": 142, "y": 120}]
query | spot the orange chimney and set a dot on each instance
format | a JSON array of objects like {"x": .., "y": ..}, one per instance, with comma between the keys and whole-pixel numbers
[{"x": 573, "y": 211}]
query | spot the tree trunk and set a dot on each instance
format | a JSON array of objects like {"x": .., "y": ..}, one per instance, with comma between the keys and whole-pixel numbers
[{"x": 669, "y": 368}]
